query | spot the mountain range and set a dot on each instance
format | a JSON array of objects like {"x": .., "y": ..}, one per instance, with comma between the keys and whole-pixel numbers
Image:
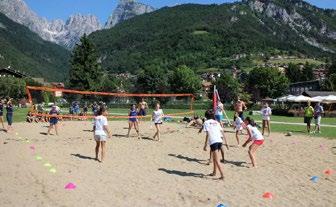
[
  {"x": 199, "y": 36},
  {"x": 67, "y": 33},
  {"x": 25, "y": 51},
  {"x": 218, "y": 36}
]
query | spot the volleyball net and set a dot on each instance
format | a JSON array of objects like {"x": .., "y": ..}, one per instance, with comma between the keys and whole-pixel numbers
[{"x": 76, "y": 104}]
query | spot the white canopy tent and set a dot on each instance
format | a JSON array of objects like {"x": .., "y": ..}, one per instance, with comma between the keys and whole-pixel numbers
[
  {"x": 329, "y": 99},
  {"x": 284, "y": 98},
  {"x": 298, "y": 99},
  {"x": 318, "y": 99},
  {"x": 301, "y": 98}
]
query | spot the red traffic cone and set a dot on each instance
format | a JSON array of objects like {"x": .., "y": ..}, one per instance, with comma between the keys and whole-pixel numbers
[{"x": 268, "y": 195}]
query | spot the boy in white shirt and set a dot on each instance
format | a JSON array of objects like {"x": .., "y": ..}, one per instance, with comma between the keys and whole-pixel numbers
[
  {"x": 101, "y": 132},
  {"x": 214, "y": 133},
  {"x": 266, "y": 113}
]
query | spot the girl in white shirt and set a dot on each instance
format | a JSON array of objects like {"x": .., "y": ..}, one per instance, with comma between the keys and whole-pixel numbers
[
  {"x": 238, "y": 126},
  {"x": 214, "y": 134},
  {"x": 266, "y": 113},
  {"x": 157, "y": 119},
  {"x": 255, "y": 136},
  {"x": 101, "y": 132}
]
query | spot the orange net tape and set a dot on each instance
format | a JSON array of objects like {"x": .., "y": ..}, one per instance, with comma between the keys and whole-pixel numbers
[
  {"x": 110, "y": 117},
  {"x": 38, "y": 88}
]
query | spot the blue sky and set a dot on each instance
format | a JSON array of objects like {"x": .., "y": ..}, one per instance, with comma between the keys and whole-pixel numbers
[{"x": 62, "y": 9}]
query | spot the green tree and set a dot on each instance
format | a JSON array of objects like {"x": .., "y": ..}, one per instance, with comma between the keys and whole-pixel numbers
[
  {"x": 184, "y": 80},
  {"x": 85, "y": 72},
  {"x": 307, "y": 72},
  {"x": 267, "y": 82},
  {"x": 332, "y": 68},
  {"x": 12, "y": 87},
  {"x": 229, "y": 88},
  {"x": 330, "y": 83},
  {"x": 152, "y": 79},
  {"x": 293, "y": 73}
]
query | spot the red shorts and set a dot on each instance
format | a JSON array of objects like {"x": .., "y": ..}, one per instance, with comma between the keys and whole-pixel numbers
[{"x": 258, "y": 142}]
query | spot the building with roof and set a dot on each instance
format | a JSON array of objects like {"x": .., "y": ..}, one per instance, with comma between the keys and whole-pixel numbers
[
  {"x": 9, "y": 72},
  {"x": 299, "y": 87}
]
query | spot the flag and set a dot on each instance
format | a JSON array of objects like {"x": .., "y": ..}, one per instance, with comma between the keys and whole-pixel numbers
[{"x": 215, "y": 98}]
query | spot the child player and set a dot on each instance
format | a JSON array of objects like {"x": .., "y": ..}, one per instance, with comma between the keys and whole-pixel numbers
[
  {"x": 157, "y": 119},
  {"x": 53, "y": 119},
  {"x": 133, "y": 121},
  {"x": 214, "y": 133},
  {"x": 238, "y": 126},
  {"x": 255, "y": 137},
  {"x": 101, "y": 132}
]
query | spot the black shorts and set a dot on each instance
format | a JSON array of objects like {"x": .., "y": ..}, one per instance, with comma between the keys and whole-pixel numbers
[
  {"x": 216, "y": 146},
  {"x": 307, "y": 120}
]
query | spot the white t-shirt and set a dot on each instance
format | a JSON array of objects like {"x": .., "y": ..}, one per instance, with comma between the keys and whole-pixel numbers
[
  {"x": 157, "y": 116},
  {"x": 266, "y": 113},
  {"x": 100, "y": 122},
  {"x": 238, "y": 124},
  {"x": 214, "y": 130},
  {"x": 255, "y": 133}
]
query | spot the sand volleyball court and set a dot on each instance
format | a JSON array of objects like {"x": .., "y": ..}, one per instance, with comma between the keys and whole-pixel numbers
[{"x": 36, "y": 168}]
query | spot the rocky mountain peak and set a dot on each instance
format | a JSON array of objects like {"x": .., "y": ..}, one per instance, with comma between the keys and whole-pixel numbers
[
  {"x": 290, "y": 12},
  {"x": 127, "y": 9},
  {"x": 57, "y": 31}
]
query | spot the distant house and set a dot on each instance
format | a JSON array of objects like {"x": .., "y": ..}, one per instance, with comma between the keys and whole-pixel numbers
[
  {"x": 8, "y": 72},
  {"x": 299, "y": 87},
  {"x": 57, "y": 85},
  {"x": 40, "y": 81}
]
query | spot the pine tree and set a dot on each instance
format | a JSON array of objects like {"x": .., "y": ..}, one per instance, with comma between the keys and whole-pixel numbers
[{"x": 85, "y": 72}]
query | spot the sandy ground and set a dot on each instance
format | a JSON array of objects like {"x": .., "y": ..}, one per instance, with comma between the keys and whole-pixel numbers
[{"x": 167, "y": 173}]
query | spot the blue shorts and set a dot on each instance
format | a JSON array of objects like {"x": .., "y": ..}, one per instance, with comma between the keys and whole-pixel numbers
[
  {"x": 219, "y": 118},
  {"x": 142, "y": 112},
  {"x": 53, "y": 121},
  {"x": 133, "y": 119}
]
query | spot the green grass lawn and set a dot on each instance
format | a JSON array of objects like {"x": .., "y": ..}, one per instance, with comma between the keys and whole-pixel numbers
[{"x": 330, "y": 132}]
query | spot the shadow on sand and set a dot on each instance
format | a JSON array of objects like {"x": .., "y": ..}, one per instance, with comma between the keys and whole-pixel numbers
[
  {"x": 181, "y": 173},
  {"x": 83, "y": 157},
  {"x": 236, "y": 163},
  {"x": 203, "y": 162}
]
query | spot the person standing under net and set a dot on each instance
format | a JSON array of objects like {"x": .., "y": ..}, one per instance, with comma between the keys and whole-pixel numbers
[
  {"x": 240, "y": 107},
  {"x": 142, "y": 107}
]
